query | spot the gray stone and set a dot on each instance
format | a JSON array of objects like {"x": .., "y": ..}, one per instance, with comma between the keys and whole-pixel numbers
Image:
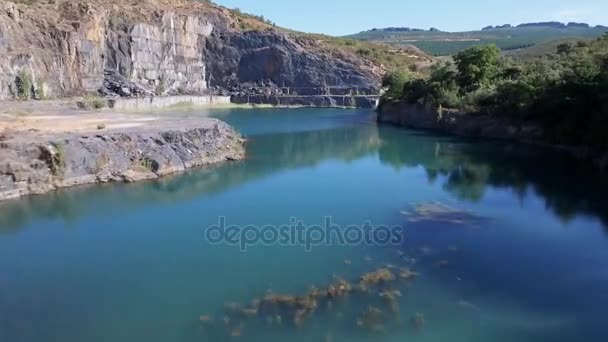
[
  {"x": 31, "y": 166},
  {"x": 93, "y": 46}
]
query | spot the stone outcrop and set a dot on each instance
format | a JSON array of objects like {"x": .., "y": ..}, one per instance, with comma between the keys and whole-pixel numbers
[
  {"x": 59, "y": 48},
  {"x": 34, "y": 164},
  {"x": 420, "y": 116}
]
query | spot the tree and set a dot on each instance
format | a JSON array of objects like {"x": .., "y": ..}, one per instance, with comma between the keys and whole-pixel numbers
[{"x": 477, "y": 66}]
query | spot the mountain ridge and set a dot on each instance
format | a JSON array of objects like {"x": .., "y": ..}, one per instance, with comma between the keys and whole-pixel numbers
[{"x": 507, "y": 37}]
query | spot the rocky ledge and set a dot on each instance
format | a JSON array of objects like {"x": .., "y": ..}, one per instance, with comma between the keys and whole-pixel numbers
[
  {"x": 420, "y": 116},
  {"x": 35, "y": 163}
]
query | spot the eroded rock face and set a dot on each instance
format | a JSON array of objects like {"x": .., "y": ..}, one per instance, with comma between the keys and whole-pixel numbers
[
  {"x": 294, "y": 65},
  {"x": 61, "y": 48},
  {"x": 35, "y": 165}
]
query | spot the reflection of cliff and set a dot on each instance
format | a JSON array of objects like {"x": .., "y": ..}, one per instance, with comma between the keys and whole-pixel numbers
[
  {"x": 267, "y": 154},
  {"x": 569, "y": 187}
]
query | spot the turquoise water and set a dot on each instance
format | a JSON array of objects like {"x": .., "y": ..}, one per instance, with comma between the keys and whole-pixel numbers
[{"x": 517, "y": 250}]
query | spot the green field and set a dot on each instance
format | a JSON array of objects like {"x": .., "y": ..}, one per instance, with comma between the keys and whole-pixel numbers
[{"x": 440, "y": 43}]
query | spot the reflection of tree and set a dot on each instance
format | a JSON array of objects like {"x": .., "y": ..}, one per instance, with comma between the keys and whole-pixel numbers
[
  {"x": 267, "y": 154},
  {"x": 468, "y": 181},
  {"x": 570, "y": 187}
]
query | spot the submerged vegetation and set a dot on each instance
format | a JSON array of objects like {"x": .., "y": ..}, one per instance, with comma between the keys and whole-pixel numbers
[
  {"x": 566, "y": 91},
  {"x": 377, "y": 291}
]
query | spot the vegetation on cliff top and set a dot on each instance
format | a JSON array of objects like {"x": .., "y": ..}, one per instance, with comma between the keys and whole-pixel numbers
[
  {"x": 382, "y": 55},
  {"x": 566, "y": 91}
]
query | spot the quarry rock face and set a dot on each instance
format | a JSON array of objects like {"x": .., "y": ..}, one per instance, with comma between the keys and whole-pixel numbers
[{"x": 63, "y": 48}]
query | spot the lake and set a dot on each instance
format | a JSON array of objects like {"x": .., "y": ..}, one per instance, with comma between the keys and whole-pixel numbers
[{"x": 509, "y": 242}]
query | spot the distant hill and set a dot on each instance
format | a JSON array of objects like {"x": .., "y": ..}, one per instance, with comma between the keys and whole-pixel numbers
[{"x": 506, "y": 37}]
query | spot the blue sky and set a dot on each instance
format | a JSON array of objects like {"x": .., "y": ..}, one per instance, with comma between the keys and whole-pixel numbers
[{"x": 341, "y": 17}]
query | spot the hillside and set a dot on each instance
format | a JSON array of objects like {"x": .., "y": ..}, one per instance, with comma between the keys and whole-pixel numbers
[
  {"x": 506, "y": 37},
  {"x": 59, "y": 48}
]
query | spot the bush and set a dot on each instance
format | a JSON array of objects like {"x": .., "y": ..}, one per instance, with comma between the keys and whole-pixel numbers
[
  {"x": 415, "y": 90},
  {"x": 448, "y": 98},
  {"x": 478, "y": 100},
  {"x": 514, "y": 97},
  {"x": 395, "y": 83}
]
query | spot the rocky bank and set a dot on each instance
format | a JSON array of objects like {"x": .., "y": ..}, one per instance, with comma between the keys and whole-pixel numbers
[
  {"x": 61, "y": 48},
  {"x": 35, "y": 163},
  {"x": 421, "y": 116}
]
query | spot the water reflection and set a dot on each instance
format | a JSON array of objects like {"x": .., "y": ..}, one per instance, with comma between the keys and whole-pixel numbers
[
  {"x": 267, "y": 154},
  {"x": 138, "y": 258},
  {"x": 568, "y": 186},
  {"x": 466, "y": 168}
]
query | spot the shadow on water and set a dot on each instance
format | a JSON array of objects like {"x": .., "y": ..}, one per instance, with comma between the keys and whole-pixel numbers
[
  {"x": 267, "y": 154},
  {"x": 569, "y": 187}
]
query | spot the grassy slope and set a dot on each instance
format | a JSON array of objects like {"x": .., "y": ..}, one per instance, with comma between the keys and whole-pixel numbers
[{"x": 447, "y": 43}]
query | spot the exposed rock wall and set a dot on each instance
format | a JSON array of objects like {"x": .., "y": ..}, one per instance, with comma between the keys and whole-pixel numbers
[
  {"x": 420, "y": 116},
  {"x": 155, "y": 47},
  {"x": 292, "y": 63},
  {"x": 469, "y": 125},
  {"x": 31, "y": 164}
]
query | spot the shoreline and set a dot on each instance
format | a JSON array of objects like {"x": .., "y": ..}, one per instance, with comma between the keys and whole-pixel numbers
[
  {"x": 422, "y": 117},
  {"x": 46, "y": 146}
]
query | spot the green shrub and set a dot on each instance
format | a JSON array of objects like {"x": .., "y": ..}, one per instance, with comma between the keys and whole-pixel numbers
[
  {"x": 415, "y": 90},
  {"x": 448, "y": 98},
  {"x": 395, "y": 83}
]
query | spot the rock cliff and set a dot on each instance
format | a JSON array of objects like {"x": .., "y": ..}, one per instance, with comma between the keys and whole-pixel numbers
[
  {"x": 34, "y": 163},
  {"x": 420, "y": 116},
  {"x": 59, "y": 48}
]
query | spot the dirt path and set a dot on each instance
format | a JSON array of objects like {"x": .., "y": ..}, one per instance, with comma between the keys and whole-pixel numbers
[{"x": 63, "y": 116}]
